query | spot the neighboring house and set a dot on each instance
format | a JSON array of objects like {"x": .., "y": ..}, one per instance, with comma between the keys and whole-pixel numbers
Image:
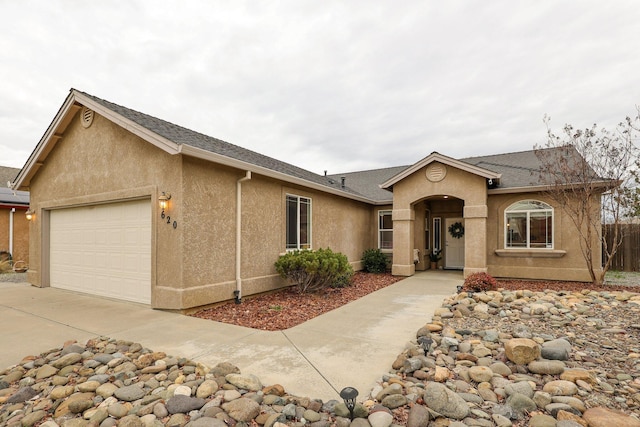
[
  {"x": 14, "y": 227},
  {"x": 133, "y": 207}
]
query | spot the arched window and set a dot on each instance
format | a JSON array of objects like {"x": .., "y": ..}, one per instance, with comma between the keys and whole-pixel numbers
[{"x": 529, "y": 225}]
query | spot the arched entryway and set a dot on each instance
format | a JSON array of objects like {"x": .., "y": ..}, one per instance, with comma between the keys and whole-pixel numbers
[
  {"x": 439, "y": 248},
  {"x": 455, "y": 195}
]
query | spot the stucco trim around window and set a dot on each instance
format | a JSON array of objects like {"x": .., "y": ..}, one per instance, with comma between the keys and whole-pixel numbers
[
  {"x": 529, "y": 225},
  {"x": 530, "y": 253},
  {"x": 298, "y": 222},
  {"x": 385, "y": 230}
]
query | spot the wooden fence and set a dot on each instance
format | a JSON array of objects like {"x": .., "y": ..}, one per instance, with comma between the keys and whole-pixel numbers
[{"x": 628, "y": 256}]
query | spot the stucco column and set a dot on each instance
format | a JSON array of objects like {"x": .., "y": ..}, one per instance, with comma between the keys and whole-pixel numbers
[
  {"x": 419, "y": 241},
  {"x": 403, "y": 220},
  {"x": 475, "y": 239}
]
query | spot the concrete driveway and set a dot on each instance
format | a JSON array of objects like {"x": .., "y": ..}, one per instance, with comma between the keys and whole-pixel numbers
[{"x": 349, "y": 346}]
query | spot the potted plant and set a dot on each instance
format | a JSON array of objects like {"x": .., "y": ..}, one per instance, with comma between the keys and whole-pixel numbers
[{"x": 434, "y": 257}]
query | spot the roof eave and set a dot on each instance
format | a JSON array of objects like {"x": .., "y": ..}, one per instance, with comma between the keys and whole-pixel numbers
[
  {"x": 16, "y": 205},
  {"x": 54, "y": 133},
  {"x": 437, "y": 157},
  {"x": 133, "y": 127},
  {"x": 51, "y": 136},
  {"x": 189, "y": 150},
  {"x": 538, "y": 188},
  {"x": 525, "y": 189}
]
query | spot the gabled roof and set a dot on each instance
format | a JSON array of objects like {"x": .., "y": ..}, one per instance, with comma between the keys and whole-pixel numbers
[
  {"x": 174, "y": 139},
  {"x": 515, "y": 171},
  {"x": 437, "y": 157}
]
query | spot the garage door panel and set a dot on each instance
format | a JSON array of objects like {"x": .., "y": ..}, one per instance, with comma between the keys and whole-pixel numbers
[{"x": 103, "y": 250}]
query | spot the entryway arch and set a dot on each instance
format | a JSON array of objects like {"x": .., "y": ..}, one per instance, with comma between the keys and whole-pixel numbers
[
  {"x": 439, "y": 178},
  {"x": 431, "y": 237}
]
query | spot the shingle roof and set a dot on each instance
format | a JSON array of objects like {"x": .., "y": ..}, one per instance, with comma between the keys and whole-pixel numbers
[
  {"x": 7, "y": 174},
  {"x": 181, "y": 135},
  {"x": 522, "y": 169},
  {"x": 368, "y": 182},
  {"x": 518, "y": 169}
]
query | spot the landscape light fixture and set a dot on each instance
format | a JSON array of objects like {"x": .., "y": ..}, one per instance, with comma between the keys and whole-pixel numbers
[
  {"x": 29, "y": 214},
  {"x": 349, "y": 394}
]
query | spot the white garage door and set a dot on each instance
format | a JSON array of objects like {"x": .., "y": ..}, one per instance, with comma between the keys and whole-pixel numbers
[{"x": 103, "y": 250}]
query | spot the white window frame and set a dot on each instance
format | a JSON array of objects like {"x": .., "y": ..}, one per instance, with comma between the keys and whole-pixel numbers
[
  {"x": 299, "y": 201},
  {"x": 528, "y": 212},
  {"x": 382, "y": 213},
  {"x": 427, "y": 233},
  {"x": 437, "y": 234}
]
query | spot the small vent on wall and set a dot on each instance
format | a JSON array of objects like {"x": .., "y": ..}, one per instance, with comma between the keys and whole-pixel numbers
[
  {"x": 87, "y": 117},
  {"x": 436, "y": 172}
]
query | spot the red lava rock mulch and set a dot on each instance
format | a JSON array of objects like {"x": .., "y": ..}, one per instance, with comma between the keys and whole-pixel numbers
[
  {"x": 541, "y": 285},
  {"x": 287, "y": 308}
]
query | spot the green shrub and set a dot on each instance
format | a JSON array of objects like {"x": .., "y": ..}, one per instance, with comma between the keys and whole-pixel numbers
[
  {"x": 343, "y": 280},
  {"x": 313, "y": 271},
  {"x": 479, "y": 282},
  {"x": 374, "y": 261}
]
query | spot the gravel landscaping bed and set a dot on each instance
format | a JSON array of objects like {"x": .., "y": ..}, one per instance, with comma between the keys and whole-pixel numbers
[
  {"x": 518, "y": 357},
  {"x": 13, "y": 277},
  {"x": 554, "y": 355}
]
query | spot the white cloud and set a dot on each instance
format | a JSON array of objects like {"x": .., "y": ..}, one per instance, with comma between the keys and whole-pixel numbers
[{"x": 326, "y": 85}]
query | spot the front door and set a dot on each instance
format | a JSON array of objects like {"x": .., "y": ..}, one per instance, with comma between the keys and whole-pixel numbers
[{"x": 454, "y": 246}]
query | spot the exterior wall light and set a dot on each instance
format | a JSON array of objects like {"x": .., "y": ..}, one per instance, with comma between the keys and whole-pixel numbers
[
  {"x": 29, "y": 214},
  {"x": 349, "y": 394},
  {"x": 164, "y": 202}
]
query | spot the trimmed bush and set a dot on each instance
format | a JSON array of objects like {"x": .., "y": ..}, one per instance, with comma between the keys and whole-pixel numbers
[
  {"x": 313, "y": 271},
  {"x": 479, "y": 282},
  {"x": 374, "y": 261}
]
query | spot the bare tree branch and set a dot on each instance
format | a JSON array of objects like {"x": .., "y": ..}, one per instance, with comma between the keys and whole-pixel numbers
[{"x": 592, "y": 175}]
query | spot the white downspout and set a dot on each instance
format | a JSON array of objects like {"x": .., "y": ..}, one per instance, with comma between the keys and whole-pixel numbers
[
  {"x": 11, "y": 213},
  {"x": 238, "y": 292}
]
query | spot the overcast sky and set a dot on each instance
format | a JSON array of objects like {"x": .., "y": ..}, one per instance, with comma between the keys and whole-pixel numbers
[{"x": 326, "y": 85}]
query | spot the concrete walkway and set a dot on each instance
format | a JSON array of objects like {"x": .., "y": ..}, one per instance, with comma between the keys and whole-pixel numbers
[{"x": 351, "y": 346}]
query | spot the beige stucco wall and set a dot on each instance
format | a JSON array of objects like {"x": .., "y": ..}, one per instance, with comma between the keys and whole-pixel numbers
[
  {"x": 415, "y": 188},
  {"x": 194, "y": 263},
  {"x": 564, "y": 262},
  {"x": 484, "y": 228},
  {"x": 101, "y": 164},
  {"x": 210, "y": 231},
  {"x": 20, "y": 233}
]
